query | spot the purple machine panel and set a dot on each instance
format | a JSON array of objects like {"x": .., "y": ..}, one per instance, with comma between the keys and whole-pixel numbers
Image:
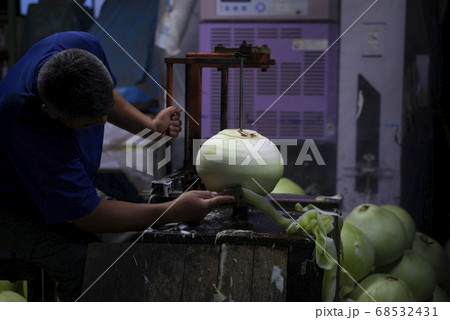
[{"x": 306, "y": 110}]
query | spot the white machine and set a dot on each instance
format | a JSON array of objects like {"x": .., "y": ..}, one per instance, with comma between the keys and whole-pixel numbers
[
  {"x": 372, "y": 87},
  {"x": 298, "y": 33}
]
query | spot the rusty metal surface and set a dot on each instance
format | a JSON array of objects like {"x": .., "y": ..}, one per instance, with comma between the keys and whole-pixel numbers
[{"x": 254, "y": 57}]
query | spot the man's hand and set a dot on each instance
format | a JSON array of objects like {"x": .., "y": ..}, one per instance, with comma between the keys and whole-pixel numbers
[
  {"x": 195, "y": 205},
  {"x": 167, "y": 121}
]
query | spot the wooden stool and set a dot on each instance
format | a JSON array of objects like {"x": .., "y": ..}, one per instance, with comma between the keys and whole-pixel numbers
[{"x": 40, "y": 288}]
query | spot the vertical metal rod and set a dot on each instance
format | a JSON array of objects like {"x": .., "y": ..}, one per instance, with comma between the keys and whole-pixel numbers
[
  {"x": 241, "y": 93},
  {"x": 187, "y": 120},
  {"x": 169, "y": 102},
  {"x": 224, "y": 98}
]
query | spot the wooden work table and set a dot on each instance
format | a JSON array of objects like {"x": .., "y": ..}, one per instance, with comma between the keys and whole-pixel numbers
[{"x": 225, "y": 257}]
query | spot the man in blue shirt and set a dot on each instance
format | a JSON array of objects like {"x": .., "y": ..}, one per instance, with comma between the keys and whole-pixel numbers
[{"x": 53, "y": 105}]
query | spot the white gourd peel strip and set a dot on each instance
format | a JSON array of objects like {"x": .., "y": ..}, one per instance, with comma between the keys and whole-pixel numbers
[{"x": 321, "y": 247}]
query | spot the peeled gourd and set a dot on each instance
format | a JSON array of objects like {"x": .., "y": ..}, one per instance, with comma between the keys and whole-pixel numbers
[{"x": 239, "y": 157}]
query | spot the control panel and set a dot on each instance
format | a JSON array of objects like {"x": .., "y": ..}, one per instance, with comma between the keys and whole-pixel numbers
[
  {"x": 294, "y": 10},
  {"x": 261, "y": 7}
]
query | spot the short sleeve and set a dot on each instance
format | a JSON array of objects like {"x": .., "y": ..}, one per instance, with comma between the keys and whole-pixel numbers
[{"x": 53, "y": 174}]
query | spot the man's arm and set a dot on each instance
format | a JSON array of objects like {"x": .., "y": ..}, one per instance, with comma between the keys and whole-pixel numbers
[
  {"x": 120, "y": 216},
  {"x": 126, "y": 116}
]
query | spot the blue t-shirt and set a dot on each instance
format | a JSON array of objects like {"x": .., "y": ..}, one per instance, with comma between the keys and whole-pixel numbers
[{"x": 45, "y": 166}]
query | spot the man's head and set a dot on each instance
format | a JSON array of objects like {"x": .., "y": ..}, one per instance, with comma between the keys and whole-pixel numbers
[{"x": 76, "y": 88}]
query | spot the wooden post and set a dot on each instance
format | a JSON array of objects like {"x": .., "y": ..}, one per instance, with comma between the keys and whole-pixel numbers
[{"x": 169, "y": 84}]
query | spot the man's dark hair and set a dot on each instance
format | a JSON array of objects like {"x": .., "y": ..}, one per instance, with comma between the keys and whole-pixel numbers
[{"x": 75, "y": 84}]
